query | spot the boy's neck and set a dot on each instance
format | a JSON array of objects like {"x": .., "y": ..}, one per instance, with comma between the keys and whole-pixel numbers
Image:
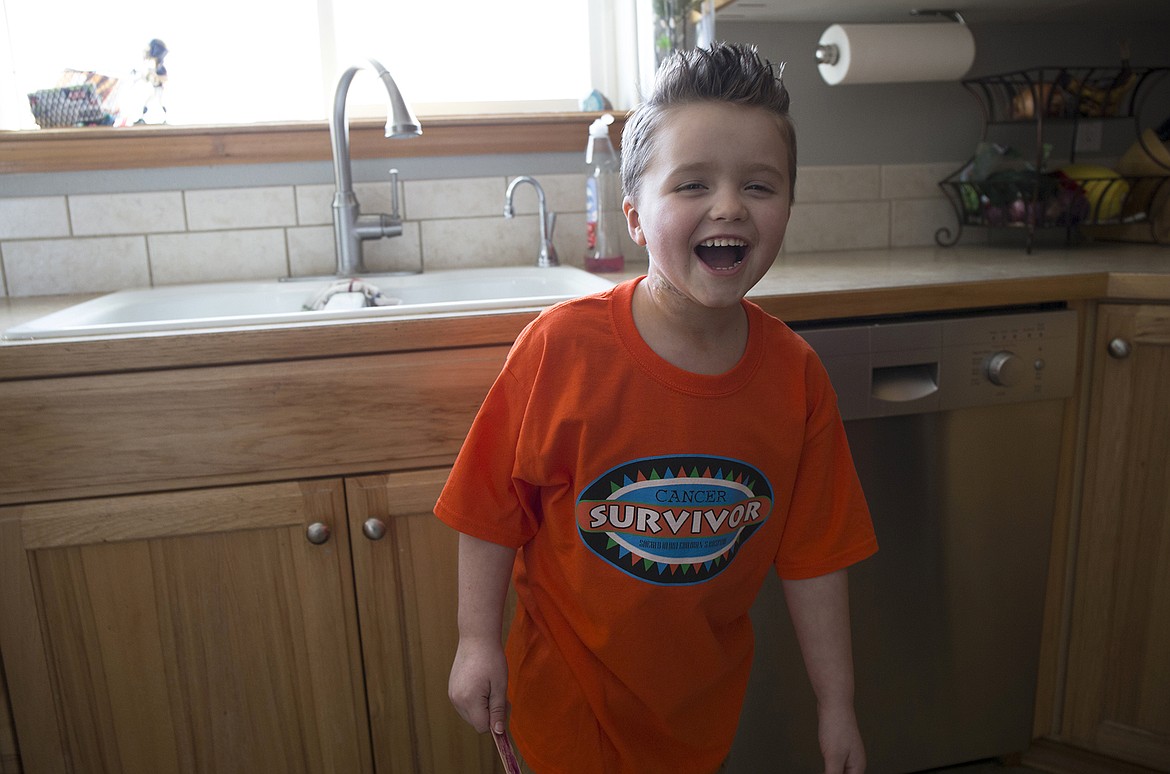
[{"x": 686, "y": 335}]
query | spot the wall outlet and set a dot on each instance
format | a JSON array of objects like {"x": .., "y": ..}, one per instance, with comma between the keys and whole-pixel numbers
[{"x": 1089, "y": 135}]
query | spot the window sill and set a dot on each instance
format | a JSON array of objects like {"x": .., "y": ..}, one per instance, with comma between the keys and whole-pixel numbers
[{"x": 97, "y": 148}]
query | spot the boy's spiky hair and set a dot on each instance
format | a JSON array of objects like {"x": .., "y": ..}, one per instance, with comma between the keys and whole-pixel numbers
[{"x": 726, "y": 72}]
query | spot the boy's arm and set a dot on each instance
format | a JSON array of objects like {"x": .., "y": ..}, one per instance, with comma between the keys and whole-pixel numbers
[
  {"x": 479, "y": 675},
  {"x": 819, "y": 608}
]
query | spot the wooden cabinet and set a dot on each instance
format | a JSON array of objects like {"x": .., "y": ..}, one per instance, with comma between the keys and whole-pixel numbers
[
  {"x": 204, "y": 631},
  {"x": 407, "y": 593},
  {"x": 161, "y": 607},
  {"x": 184, "y": 631},
  {"x": 1117, "y": 679}
]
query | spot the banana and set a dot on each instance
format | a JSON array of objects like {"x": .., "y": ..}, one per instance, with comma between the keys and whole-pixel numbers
[
  {"x": 1068, "y": 96},
  {"x": 1101, "y": 97}
]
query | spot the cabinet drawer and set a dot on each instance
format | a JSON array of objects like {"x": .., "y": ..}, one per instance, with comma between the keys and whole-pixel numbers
[{"x": 117, "y": 433}]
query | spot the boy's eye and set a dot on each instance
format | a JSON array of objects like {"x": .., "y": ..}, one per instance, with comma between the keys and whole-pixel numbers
[
  {"x": 762, "y": 187},
  {"x": 693, "y": 186}
]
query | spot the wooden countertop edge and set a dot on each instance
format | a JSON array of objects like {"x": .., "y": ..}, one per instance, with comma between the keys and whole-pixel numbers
[
  {"x": 120, "y": 354},
  {"x": 74, "y": 357},
  {"x": 1137, "y": 286}
]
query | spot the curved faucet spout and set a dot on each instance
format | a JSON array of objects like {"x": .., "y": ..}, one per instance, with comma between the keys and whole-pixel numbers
[
  {"x": 548, "y": 220},
  {"x": 350, "y": 226}
]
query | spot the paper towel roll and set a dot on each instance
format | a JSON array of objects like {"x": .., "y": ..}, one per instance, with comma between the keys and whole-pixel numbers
[{"x": 895, "y": 53}]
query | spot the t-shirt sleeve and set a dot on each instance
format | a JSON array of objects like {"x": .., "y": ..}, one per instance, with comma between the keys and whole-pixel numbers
[
  {"x": 828, "y": 526},
  {"x": 482, "y": 498}
]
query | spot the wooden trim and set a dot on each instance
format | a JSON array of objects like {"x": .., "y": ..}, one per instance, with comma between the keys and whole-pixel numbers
[
  {"x": 193, "y": 427},
  {"x": 1062, "y": 554},
  {"x": 171, "y": 514},
  {"x": 239, "y": 346},
  {"x": 1057, "y": 758},
  {"x": 21, "y": 642},
  {"x": 96, "y": 148}
]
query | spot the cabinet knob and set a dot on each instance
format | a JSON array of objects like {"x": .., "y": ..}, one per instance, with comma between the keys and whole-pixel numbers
[
  {"x": 374, "y": 529},
  {"x": 1119, "y": 348},
  {"x": 317, "y": 533}
]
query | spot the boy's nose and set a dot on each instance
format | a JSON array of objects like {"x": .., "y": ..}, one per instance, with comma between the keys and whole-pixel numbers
[{"x": 728, "y": 205}]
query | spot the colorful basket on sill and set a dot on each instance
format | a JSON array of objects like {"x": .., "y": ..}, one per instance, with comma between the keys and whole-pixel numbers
[
  {"x": 68, "y": 106},
  {"x": 79, "y": 98}
]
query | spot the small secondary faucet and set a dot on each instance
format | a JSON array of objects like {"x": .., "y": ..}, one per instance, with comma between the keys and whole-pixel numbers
[
  {"x": 350, "y": 226},
  {"x": 548, "y": 221}
]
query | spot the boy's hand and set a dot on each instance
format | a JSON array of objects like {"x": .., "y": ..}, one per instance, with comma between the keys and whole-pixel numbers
[
  {"x": 478, "y": 686},
  {"x": 840, "y": 741}
]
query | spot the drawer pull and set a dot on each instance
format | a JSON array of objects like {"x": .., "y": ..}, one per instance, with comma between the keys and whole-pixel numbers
[{"x": 1119, "y": 348}]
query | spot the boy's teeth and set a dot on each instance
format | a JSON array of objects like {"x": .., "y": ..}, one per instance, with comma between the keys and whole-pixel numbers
[{"x": 722, "y": 253}]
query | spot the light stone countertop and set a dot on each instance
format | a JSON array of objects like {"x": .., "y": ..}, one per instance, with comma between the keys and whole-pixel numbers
[{"x": 803, "y": 286}]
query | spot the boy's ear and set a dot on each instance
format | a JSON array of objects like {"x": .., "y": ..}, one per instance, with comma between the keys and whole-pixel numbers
[{"x": 633, "y": 222}]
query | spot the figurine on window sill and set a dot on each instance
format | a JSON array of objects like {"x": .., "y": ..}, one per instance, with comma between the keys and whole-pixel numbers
[{"x": 154, "y": 75}]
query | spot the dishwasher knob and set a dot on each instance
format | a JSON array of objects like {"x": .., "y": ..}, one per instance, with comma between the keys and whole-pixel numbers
[{"x": 1005, "y": 369}]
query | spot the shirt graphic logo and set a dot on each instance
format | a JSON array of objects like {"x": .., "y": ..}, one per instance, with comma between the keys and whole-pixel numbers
[{"x": 673, "y": 520}]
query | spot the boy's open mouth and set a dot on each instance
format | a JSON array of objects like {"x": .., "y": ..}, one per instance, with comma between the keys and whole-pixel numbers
[{"x": 722, "y": 254}]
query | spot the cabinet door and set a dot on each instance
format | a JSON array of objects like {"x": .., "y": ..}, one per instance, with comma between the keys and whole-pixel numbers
[
  {"x": 192, "y": 631},
  {"x": 407, "y": 599},
  {"x": 1117, "y": 698}
]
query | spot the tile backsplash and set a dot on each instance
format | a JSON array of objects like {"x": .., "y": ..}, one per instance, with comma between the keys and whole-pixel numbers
[{"x": 102, "y": 242}]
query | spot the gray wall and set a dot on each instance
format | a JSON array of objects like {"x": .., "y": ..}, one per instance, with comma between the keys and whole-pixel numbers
[{"x": 932, "y": 122}]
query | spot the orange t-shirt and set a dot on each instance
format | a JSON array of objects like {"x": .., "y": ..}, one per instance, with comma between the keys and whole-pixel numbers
[{"x": 649, "y": 503}]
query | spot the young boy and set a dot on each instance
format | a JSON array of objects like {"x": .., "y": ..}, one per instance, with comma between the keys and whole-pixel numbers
[{"x": 645, "y": 458}]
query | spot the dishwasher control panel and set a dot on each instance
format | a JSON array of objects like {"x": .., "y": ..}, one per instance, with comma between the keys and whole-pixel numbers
[{"x": 887, "y": 368}]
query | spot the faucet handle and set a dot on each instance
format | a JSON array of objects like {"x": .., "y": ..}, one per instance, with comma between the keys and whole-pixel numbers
[{"x": 394, "y": 213}]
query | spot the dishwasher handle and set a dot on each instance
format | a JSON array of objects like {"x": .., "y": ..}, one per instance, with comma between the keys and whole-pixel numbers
[{"x": 904, "y": 383}]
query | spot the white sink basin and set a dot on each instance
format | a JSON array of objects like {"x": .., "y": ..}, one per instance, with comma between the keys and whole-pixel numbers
[{"x": 229, "y": 304}]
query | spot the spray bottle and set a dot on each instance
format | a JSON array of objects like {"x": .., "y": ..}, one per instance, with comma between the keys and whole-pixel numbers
[{"x": 604, "y": 223}]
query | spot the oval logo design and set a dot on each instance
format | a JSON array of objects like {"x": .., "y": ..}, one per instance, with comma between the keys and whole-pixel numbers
[{"x": 673, "y": 520}]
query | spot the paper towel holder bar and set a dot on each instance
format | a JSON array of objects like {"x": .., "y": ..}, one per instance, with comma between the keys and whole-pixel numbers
[
  {"x": 950, "y": 14},
  {"x": 829, "y": 54}
]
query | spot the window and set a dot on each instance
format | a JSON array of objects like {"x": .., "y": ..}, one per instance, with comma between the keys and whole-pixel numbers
[{"x": 244, "y": 61}]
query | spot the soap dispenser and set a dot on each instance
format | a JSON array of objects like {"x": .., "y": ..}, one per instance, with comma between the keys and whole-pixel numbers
[{"x": 604, "y": 222}]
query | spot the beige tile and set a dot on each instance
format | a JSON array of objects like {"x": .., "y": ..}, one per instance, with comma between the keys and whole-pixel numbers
[
  {"x": 314, "y": 204},
  {"x": 840, "y": 226},
  {"x": 311, "y": 251},
  {"x": 914, "y": 181},
  {"x": 227, "y": 208},
  {"x": 915, "y": 222},
  {"x": 569, "y": 240},
  {"x": 457, "y": 198},
  {"x": 133, "y": 213},
  {"x": 51, "y": 266},
  {"x": 403, "y": 253},
  {"x": 838, "y": 184},
  {"x": 469, "y": 242},
  {"x": 374, "y": 198},
  {"x": 214, "y": 256},
  {"x": 564, "y": 193},
  {"x": 32, "y": 217}
]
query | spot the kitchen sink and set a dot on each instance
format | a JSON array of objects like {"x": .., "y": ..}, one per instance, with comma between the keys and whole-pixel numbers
[{"x": 232, "y": 304}]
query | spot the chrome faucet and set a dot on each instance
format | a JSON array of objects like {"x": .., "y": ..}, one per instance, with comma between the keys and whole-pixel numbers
[
  {"x": 350, "y": 226},
  {"x": 548, "y": 220}
]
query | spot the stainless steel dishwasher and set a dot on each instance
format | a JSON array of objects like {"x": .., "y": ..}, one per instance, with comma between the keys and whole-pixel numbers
[{"x": 955, "y": 427}]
